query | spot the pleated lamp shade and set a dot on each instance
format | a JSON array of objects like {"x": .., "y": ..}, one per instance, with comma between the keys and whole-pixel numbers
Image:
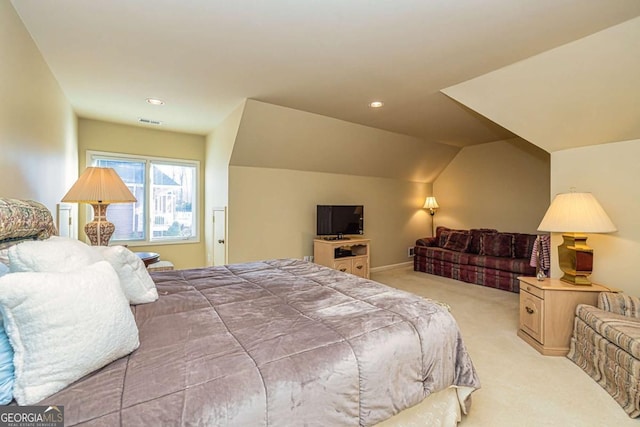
[
  {"x": 576, "y": 213},
  {"x": 430, "y": 203},
  {"x": 99, "y": 185}
]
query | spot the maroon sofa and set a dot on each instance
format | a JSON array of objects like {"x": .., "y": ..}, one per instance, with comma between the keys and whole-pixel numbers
[{"x": 482, "y": 256}]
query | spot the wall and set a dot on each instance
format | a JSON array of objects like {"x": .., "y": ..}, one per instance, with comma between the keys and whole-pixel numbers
[
  {"x": 272, "y": 212},
  {"x": 218, "y": 154},
  {"x": 103, "y": 136},
  {"x": 271, "y": 136},
  {"x": 503, "y": 185},
  {"x": 37, "y": 125},
  {"x": 611, "y": 173}
]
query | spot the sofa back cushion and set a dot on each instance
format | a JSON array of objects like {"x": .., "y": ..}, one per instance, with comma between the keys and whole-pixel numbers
[
  {"x": 442, "y": 234},
  {"x": 523, "y": 245},
  {"x": 497, "y": 244},
  {"x": 476, "y": 235},
  {"x": 457, "y": 241}
]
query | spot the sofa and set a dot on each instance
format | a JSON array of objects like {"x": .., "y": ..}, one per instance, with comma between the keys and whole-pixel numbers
[
  {"x": 606, "y": 345},
  {"x": 483, "y": 256}
]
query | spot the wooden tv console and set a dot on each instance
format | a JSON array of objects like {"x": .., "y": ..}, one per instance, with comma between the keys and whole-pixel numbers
[{"x": 348, "y": 255}]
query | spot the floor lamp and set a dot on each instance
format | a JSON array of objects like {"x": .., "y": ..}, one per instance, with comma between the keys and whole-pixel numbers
[
  {"x": 573, "y": 215},
  {"x": 99, "y": 187},
  {"x": 431, "y": 204}
]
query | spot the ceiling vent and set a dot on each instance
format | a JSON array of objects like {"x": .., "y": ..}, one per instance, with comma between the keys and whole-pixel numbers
[{"x": 149, "y": 121}]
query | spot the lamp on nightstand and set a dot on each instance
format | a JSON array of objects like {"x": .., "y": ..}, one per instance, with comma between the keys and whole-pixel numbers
[
  {"x": 573, "y": 215},
  {"x": 99, "y": 187},
  {"x": 431, "y": 204}
]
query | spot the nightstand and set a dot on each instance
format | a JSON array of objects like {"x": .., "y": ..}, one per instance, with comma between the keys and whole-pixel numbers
[{"x": 547, "y": 310}]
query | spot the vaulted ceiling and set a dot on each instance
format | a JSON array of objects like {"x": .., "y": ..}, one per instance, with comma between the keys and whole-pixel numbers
[{"x": 331, "y": 57}]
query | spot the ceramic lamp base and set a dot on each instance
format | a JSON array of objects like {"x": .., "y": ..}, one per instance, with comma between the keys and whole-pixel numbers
[{"x": 99, "y": 231}]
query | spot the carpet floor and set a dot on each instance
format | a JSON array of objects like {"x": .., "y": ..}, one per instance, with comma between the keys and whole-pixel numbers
[{"x": 520, "y": 387}]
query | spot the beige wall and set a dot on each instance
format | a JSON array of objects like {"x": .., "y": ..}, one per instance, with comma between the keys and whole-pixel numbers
[
  {"x": 111, "y": 137},
  {"x": 503, "y": 185},
  {"x": 38, "y": 139},
  {"x": 612, "y": 173},
  {"x": 272, "y": 212},
  {"x": 218, "y": 154},
  {"x": 272, "y": 136}
]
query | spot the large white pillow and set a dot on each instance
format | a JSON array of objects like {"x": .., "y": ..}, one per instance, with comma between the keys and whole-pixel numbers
[
  {"x": 63, "y": 326},
  {"x": 56, "y": 254},
  {"x": 136, "y": 283}
]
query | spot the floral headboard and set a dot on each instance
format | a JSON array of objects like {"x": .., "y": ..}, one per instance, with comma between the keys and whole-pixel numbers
[{"x": 24, "y": 220}]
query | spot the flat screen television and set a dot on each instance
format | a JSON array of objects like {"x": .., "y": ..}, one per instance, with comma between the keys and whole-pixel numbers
[{"x": 340, "y": 220}]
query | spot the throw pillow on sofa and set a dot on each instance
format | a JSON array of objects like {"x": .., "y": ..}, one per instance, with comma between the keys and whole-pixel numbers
[
  {"x": 476, "y": 235},
  {"x": 498, "y": 245},
  {"x": 457, "y": 241}
]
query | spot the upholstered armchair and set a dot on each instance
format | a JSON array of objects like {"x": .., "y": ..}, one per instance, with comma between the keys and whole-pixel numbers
[{"x": 606, "y": 345}]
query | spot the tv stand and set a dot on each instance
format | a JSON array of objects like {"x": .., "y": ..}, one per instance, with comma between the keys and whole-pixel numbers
[{"x": 349, "y": 255}]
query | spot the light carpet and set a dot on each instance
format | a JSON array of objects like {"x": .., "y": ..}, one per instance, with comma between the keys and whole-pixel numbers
[{"x": 520, "y": 387}]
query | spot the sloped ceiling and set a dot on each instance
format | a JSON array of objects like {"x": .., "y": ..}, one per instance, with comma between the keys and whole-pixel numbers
[
  {"x": 583, "y": 93},
  {"x": 271, "y": 136}
]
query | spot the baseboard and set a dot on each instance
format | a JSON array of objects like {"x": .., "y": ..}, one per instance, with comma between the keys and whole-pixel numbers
[{"x": 391, "y": 267}]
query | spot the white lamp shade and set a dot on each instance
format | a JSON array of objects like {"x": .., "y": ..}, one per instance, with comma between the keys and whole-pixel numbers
[
  {"x": 99, "y": 185},
  {"x": 430, "y": 203},
  {"x": 576, "y": 213}
]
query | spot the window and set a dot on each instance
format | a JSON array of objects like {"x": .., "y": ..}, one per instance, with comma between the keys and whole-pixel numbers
[{"x": 167, "y": 198}]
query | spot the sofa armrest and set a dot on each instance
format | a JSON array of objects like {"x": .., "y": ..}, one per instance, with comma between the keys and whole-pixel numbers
[
  {"x": 619, "y": 303},
  {"x": 426, "y": 241}
]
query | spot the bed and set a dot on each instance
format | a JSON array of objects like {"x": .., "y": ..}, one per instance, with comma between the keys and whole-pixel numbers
[{"x": 279, "y": 342}]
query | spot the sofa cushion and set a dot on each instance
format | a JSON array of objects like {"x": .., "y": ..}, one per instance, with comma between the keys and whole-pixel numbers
[
  {"x": 519, "y": 266},
  {"x": 618, "y": 329},
  {"x": 476, "y": 235},
  {"x": 523, "y": 245},
  {"x": 497, "y": 244},
  {"x": 442, "y": 237},
  {"x": 457, "y": 241},
  {"x": 441, "y": 254}
]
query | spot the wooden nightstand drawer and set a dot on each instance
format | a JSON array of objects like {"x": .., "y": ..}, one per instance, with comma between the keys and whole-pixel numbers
[
  {"x": 532, "y": 315},
  {"x": 532, "y": 290}
]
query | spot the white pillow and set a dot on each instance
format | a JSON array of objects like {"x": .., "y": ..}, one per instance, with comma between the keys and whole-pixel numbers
[
  {"x": 136, "y": 283},
  {"x": 4, "y": 256},
  {"x": 56, "y": 254},
  {"x": 63, "y": 326},
  {"x": 3, "y": 269}
]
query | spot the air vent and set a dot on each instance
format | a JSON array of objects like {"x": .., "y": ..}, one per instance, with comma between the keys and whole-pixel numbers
[{"x": 149, "y": 121}]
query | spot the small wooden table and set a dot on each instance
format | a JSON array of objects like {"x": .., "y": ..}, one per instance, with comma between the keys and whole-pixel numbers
[
  {"x": 148, "y": 257},
  {"x": 547, "y": 309}
]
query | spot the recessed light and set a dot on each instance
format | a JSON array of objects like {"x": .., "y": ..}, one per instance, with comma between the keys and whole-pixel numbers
[
  {"x": 376, "y": 104},
  {"x": 155, "y": 101}
]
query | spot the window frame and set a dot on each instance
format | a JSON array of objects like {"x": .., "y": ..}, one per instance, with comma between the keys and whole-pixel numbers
[{"x": 148, "y": 162}]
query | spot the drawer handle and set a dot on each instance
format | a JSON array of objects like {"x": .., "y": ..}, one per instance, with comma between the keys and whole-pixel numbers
[
  {"x": 530, "y": 310},
  {"x": 343, "y": 269},
  {"x": 359, "y": 267}
]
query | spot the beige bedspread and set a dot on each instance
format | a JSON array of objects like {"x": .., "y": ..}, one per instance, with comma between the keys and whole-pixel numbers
[{"x": 274, "y": 343}]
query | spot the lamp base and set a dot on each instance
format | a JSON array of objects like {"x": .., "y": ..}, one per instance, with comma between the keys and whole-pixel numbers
[
  {"x": 575, "y": 258},
  {"x": 99, "y": 231}
]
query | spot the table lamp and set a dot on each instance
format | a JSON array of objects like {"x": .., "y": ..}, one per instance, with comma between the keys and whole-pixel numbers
[
  {"x": 573, "y": 215},
  {"x": 99, "y": 187}
]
